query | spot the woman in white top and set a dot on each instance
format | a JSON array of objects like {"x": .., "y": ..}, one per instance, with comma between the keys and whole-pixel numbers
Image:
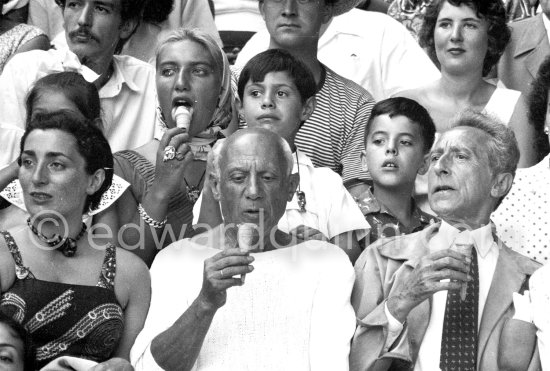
[{"x": 466, "y": 39}]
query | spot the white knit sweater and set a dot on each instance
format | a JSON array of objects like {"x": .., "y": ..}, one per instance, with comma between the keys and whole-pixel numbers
[{"x": 293, "y": 313}]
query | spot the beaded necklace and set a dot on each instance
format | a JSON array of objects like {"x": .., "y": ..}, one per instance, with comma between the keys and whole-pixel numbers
[{"x": 66, "y": 245}]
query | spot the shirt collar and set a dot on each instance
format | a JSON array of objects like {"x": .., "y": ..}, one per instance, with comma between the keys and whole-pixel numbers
[
  {"x": 120, "y": 76},
  {"x": 483, "y": 237},
  {"x": 70, "y": 62},
  {"x": 372, "y": 205},
  {"x": 300, "y": 158}
]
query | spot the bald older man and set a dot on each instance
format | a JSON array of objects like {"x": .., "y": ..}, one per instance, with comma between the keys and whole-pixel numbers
[
  {"x": 420, "y": 303},
  {"x": 292, "y": 312}
]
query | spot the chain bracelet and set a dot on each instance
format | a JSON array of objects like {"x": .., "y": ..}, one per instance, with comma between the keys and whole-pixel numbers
[{"x": 152, "y": 222}]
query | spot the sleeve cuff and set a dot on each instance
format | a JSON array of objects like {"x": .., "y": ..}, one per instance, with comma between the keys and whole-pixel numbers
[{"x": 395, "y": 328}]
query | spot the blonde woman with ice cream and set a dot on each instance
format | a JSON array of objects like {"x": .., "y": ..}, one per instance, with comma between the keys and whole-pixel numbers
[{"x": 194, "y": 95}]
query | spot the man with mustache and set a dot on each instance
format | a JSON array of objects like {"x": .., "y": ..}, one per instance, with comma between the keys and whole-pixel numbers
[
  {"x": 95, "y": 32},
  {"x": 422, "y": 304}
]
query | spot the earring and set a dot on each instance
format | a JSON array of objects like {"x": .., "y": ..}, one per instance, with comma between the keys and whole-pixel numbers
[{"x": 547, "y": 130}]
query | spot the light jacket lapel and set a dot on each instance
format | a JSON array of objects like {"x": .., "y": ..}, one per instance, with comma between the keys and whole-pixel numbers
[
  {"x": 534, "y": 41},
  {"x": 508, "y": 278}
]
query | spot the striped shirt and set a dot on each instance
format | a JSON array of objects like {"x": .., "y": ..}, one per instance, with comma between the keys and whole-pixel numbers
[{"x": 334, "y": 134}]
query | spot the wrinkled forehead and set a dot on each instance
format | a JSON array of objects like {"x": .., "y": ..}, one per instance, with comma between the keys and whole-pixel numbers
[
  {"x": 462, "y": 139},
  {"x": 253, "y": 153}
]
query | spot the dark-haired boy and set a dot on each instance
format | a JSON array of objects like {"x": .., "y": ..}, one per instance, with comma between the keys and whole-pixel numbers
[
  {"x": 277, "y": 92},
  {"x": 332, "y": 135},
  {"x": 398, "y": 138}
]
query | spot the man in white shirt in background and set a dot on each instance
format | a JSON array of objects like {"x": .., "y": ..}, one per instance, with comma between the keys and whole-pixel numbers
[
  {"x": 368, "y": 48},
  {"x": 406, "y": 287},
  {"x": 95, "y": 31}
]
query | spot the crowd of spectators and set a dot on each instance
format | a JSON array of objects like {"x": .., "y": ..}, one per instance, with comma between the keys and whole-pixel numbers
[{"x": 274, "y": 185}]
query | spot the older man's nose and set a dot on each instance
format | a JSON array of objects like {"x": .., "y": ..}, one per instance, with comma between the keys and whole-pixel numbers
[
  {"x": 252, "y": 188},
  {"x": 441, "y": 166}
]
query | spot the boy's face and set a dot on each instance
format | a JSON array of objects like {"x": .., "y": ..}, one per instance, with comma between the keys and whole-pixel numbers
[
  {"x": 275, "y": 104},
  {"x": 394, "y": 152}
]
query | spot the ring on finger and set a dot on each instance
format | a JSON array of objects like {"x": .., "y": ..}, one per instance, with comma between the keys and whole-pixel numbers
[
  {"x": 221, "y": 273},
  {"x": 169, "y": 153}
]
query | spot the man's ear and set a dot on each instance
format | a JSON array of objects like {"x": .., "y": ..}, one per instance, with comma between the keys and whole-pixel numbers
[
  {"x": 215, "y": 186},
  {"x": 261, "y": 5},
  {"x": 127, "y": 28},
  {"x": 307, "y": 108},
  {"x": 501, "y": 185},
  {"x": 425, "y": 165},
  {"x": 293, "y": 182},
  {"x": 363, "y": 157},
  {"x": 95, "y": 181}
]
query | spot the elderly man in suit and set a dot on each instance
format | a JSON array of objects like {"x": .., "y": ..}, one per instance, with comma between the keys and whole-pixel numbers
[
  {"x": 527, "y": 49},
  {"x": 423, "y": 305}
]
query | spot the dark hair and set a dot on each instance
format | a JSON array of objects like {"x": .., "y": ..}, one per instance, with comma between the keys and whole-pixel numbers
[
  {"x": 81, "y": 92},
  {"x": 130, "y": 10},
  {"x": 538, "y": 105},
  {"x": 278, "y": 60},
  {"x": 22, "y": 334},
  {"x": 498, "y": 32},
  {"x": 157, "y": 11},
  {"x": 90, "y": 143},
  {"x": 412, "y": 110}
]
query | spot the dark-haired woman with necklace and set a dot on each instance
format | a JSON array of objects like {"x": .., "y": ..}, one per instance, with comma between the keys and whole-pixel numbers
[{"x": 76, "y": 293}]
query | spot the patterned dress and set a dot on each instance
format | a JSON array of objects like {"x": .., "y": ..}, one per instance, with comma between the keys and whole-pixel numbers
[
  {"x": 12, "y": 39},
  {"x": 66, "y": 319}
]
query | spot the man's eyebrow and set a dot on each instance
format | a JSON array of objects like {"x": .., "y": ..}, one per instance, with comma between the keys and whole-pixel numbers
[
  {"x": 454, "y": 149},
  {"x": 107, "y": 4}
]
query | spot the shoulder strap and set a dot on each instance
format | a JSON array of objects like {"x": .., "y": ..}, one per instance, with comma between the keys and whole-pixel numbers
[
  {"x": 108, "y": 269},
  {"x": 21, "y": 271}
]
